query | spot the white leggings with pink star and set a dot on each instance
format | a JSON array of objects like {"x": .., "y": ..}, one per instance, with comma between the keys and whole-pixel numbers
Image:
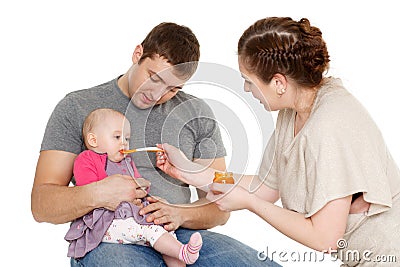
[{"x": 128, "y": 231}]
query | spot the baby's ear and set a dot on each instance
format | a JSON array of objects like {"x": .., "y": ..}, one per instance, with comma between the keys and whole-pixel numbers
[{"x": 92, "y": 140}]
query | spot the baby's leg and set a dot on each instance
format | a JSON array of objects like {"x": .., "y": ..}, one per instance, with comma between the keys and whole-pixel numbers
[
  {"x": 173, "y": 262},
  {"x": 190, "y": 252},
  {"x": 167, "y": 245},
  {"x": 124, "y": 231}
]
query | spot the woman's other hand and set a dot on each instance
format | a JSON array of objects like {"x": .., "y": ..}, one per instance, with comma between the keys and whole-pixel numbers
[{"x": 229, "y": 197}]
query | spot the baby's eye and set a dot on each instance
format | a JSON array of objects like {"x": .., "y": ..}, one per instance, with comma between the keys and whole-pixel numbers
[{"x": 117, "y": 137}]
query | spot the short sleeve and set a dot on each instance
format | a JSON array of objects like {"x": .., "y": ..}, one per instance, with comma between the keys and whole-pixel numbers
[
  {"x": 268, "y": 168},
  {"x": 347, "y": 155},
  {"x": 86, "y": 168},
  {"x": 63, "y": 130},
  {"x": 209, "y": 142}
]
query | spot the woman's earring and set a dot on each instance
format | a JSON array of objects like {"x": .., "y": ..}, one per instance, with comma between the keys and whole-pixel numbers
[{"x": 281, "y": 92}]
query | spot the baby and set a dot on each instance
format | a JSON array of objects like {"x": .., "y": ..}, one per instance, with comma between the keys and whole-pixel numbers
[{"x": 106, "y": 132}]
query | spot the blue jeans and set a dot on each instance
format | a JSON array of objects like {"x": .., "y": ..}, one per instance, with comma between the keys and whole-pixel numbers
[{"x": 217, "y": 250}]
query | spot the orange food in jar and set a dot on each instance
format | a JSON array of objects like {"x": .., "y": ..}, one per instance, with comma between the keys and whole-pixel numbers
[{"x": 223, "y": 178}]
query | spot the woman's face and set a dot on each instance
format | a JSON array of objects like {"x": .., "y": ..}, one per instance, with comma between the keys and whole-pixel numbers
[{"x": 265, "y": 93}]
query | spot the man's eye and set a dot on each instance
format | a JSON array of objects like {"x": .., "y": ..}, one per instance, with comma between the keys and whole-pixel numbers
[
  {"x": 154, "y": 78},
  {"x": 172, "y": 90}
]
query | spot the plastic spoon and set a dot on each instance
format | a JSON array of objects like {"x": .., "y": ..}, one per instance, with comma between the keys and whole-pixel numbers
[{"x": 148, "y": 149}]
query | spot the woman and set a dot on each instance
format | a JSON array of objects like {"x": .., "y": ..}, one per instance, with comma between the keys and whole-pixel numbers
[{"x": 327, "y": 160}]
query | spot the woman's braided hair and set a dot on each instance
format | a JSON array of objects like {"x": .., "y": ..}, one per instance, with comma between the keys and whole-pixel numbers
[{"x": 282, "y": 45}]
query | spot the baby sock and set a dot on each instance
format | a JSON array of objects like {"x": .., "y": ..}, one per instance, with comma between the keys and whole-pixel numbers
[{"x": 190, "y": 252}]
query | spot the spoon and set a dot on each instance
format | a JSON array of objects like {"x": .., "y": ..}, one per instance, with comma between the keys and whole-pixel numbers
[{"x": 148, "y": 149}]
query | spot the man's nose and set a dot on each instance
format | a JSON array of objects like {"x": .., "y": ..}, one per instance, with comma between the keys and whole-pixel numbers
[{"x": 158, "y": 92}]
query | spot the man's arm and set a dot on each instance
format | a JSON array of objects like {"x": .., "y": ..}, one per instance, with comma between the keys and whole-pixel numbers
[
  {"x": 200, "y": 214},
  {"x": 53, "y": 201},
  {"x": 51, "y": 197},
  {"x": 205, "y": 214}
]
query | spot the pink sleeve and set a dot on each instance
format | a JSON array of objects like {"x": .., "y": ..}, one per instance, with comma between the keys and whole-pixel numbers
[{"x": 86, "y": 169}]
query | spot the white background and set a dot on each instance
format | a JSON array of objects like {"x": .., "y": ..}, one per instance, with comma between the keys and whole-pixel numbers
[{"x": 49, "y": 48}]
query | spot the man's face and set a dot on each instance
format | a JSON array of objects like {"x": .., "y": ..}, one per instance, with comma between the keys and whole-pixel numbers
[{"x": 152, "y": 82}]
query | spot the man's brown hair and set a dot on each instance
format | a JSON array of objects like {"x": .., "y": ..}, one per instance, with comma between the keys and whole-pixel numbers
[{"x": 176, "y": 43}]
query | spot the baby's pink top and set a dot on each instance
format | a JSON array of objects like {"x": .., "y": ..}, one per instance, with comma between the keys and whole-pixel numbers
[{"x": 90, "y": 167}]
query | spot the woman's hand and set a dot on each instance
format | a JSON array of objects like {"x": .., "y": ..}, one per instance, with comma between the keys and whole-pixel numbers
[
  {"x": 229, "y": 197},
  {"x": 174, "y": 163},
  {"x": 163, "y": 163}
]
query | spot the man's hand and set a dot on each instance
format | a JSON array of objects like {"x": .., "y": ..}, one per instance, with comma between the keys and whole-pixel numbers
[
  {"x": 161, "y": 212},
  {"x": 117, "y": 188}
]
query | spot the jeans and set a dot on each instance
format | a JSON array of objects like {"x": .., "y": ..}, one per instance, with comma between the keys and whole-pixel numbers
[{"x": 217, "y": 250}]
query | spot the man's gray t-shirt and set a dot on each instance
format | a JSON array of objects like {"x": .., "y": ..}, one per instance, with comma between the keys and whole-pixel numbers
[{"x": 184, "y": 121}]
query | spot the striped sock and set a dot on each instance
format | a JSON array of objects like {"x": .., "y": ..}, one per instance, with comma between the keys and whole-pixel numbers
[{"x": 190, "y": 252}]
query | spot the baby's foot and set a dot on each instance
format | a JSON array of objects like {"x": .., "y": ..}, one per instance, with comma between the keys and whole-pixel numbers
[{"x": 190, "y": 252}]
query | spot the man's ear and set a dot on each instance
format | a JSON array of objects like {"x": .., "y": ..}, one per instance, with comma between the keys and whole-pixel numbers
[
  {"x": 137, "y": 54},
  {"x": 91, "y": 139}
]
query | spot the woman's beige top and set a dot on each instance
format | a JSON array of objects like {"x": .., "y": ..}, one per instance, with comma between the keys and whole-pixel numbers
[{"x": 339, "y": 152}]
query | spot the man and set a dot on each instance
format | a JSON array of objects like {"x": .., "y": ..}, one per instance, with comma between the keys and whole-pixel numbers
[{"x": 148, "y": 93}]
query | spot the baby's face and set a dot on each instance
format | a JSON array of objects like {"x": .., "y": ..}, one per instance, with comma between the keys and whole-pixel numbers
[{"x": 112, "y": 136}]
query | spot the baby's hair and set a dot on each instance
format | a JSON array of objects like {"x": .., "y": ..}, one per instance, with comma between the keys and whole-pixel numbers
[{"x": 96, "y": 117}]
